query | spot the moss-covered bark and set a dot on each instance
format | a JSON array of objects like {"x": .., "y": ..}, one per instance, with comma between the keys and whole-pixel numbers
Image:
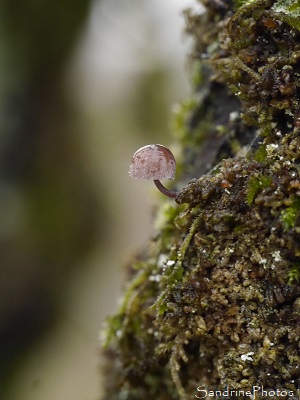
[{"x": 215, "y": 300}]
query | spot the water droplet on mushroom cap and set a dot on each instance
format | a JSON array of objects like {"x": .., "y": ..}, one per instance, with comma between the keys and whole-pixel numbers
[{"x": 153, "y": 161}]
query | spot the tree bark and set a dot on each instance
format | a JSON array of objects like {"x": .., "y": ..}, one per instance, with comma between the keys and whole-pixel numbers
[{"x": 213, "y": 301}]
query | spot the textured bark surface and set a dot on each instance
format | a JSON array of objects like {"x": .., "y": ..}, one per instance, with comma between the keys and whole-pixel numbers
[{"x": 213, "y": 301}]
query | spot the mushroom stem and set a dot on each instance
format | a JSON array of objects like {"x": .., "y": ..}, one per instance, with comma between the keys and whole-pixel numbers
[{"x": 164, "y": 190}]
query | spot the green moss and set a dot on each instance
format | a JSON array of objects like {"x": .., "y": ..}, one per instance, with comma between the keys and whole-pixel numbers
[
  {"x": 256, "y": 184},
  {"x": 259, "y": 59},
  {"x": 261, "y": 154},
  {"x": 294, "y": 273},
  {"x": 168, "y": 215},
  {"x": 175, "y": 274},
  {"x": 212, "y": 300},
  {"x": 289, "y": 11},
  {"x": 117, "y": 325},
  {"x": 240, "y": 3},
  {"x": 197, "y": 77},
  {"x": 290, "y": 214}
]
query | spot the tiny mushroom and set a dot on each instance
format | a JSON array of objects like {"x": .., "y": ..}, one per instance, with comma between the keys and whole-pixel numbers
[{"x": 155, "y": 162}]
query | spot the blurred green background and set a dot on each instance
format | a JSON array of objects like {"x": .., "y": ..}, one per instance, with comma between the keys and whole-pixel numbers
[{"x": 82, "y": 86}]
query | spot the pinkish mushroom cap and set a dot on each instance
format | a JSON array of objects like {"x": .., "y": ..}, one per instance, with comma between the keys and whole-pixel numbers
[{"x": 153, "y": 161}]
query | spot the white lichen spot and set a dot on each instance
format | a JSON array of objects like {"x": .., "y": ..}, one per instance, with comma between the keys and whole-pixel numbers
[
  {"x": 247, "y": 356},
  {"x": 162, "y": 258},
  {"x": 271, "y": 148},
  {"x": 276, "y": 255},
  {"x": 263, "y": 261},
  {"x": 170, "y": 263}
]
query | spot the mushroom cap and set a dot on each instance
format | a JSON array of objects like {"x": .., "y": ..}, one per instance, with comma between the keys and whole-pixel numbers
[{"x": 153, "y": 161}]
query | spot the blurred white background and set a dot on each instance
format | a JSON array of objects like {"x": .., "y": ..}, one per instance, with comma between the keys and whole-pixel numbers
[{"x": 127, "y": 72}]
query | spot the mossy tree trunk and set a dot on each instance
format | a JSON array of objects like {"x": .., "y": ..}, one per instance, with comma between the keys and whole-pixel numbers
[{"x": 214, "y": 300}]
